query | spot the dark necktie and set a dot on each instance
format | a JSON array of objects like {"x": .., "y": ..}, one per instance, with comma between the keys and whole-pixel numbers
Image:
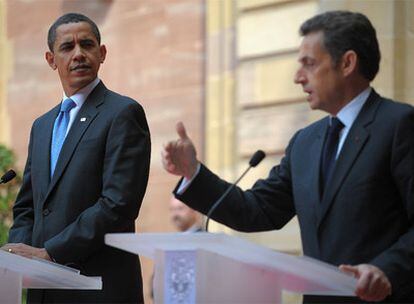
[
  {"x": 329, "y": 151},
  {"x": 59, "y": 132}
]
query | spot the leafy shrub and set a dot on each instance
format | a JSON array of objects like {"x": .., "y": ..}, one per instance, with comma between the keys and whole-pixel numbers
[{"x": 8, "y": 193}]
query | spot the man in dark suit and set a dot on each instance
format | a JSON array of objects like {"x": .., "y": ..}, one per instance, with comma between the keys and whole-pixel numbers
[
  {"x": 348, "y": 177},
  {"x": 86, "y": 173}
]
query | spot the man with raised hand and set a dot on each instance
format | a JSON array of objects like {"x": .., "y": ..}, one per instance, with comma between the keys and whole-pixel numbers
[{"x": 348, "y": 177}]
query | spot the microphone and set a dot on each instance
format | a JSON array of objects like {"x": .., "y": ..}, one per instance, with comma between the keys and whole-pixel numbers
[
  {"x": 8, "y": 176},
  {"x": 254, "y": 161}
]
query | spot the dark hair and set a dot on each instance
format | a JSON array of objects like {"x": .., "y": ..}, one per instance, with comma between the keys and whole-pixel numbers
[
  {"x": 344, "y": 31},
  {"x": 70, "y": 18}
]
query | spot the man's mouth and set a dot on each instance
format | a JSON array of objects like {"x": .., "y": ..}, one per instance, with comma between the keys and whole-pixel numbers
[
  {"x": 309, "y": 94},
  {"x": 80, "y": 67}
]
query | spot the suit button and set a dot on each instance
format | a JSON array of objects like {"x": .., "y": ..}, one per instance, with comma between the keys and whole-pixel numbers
[{"x": 46, "y": 212}]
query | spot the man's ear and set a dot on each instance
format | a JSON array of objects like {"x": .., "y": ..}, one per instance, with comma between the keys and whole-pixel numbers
[
  {"x": 50, "y": 58},
  {"x": 349, "y": 62},
  {"x": 102, "y": 49}
]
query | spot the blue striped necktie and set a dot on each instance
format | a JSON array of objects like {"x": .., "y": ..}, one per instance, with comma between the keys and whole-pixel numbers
[{"x": 59, "y": 132}]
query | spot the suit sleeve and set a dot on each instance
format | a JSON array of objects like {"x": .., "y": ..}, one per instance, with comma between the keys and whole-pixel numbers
[
  {"x": 268, "y": 205},
  {"x": 397, "y": 261},
  {"x": 125, "y": 177},
  {"x": 23, "y": 213}
]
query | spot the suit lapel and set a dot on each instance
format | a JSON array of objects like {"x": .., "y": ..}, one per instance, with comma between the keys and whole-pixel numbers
[
  {"x": 82, "y": 121},
  {"x": 315, "y": 152},
  {"x": 355, "y": 141},
  {"x": 43, "y": 148}
]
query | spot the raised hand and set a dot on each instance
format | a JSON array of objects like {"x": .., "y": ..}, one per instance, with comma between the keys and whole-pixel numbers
[{"x": 179, "y": 157}]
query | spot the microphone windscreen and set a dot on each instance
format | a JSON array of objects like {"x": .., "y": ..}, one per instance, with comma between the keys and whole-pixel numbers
[
  {"x": 8, "y": 176},
  {"x": 257, "y": 158}
]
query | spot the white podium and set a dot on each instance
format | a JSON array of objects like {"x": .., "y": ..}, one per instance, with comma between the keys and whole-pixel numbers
[
  {"x": 17, "y": 272},
  {"x": 217, "y": 268}
]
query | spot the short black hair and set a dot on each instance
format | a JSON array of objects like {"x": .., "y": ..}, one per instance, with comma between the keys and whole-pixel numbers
[
  {"x": 344, "y": 31},
  {"x": 70, "y": 18}
]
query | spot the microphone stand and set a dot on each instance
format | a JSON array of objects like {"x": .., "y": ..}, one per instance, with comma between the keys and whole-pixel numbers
[{"x": 216, "y": 204}]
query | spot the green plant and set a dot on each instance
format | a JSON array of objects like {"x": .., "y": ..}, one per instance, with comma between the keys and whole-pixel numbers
[{"x": 8, "y": 193}]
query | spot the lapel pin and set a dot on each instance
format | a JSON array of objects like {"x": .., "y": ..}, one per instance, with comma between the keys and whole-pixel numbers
[{"x": 83, "y": 119}]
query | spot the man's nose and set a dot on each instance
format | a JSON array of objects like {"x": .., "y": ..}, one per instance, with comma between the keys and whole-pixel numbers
[
  {"x": 299, "y": 77},
  {"x": 78, "y": 55}
]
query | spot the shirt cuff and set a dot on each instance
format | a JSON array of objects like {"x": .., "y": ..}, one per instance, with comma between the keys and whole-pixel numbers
[{"x": 185, "y": 183}]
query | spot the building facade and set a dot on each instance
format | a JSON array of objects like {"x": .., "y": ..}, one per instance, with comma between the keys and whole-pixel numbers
[{"x": 223, "y": 67}]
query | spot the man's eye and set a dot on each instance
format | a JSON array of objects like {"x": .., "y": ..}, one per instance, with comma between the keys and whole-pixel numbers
[
  {"x": 309, "y": 64},
  {"x": 87, "y": 44},
  {"x": 66, "y": 47}
]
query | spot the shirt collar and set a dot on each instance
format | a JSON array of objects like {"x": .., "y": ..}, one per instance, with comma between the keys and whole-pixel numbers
[
  {"x": 80, "y": 96},
  {"x": 196, "y": 227},
  {"x": 349, "y": 113}
]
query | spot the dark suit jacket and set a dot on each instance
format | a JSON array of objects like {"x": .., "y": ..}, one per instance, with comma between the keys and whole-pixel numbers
[
  {"x": 97, "y": 188},
  {"x": 366, "y": 214}
]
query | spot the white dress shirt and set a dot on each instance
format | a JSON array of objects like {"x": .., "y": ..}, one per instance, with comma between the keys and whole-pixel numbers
[
  {"x": 349, "y": 113},
  {"x": 79, "y": 99}
]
